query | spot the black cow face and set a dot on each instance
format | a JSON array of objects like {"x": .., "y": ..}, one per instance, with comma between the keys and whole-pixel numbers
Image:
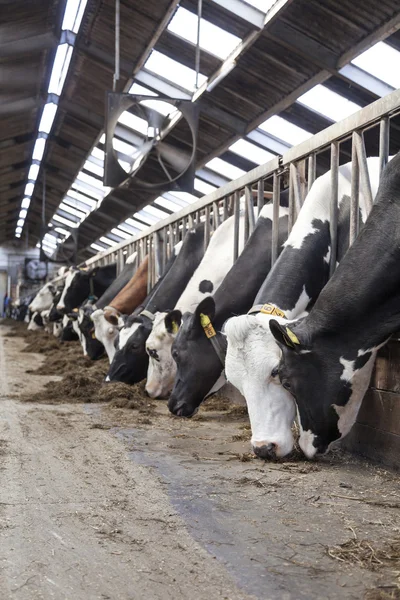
[
  {"x": 94, "y": 348},
  {"x": 77, "y": 292},
  {"x": 38, "y": 320},
  {"x": 324, "y": 381},
  {"x": 68, "y": 334},
  {"x": 198, "y": 364},
  {"x": 130, "y": 362}
]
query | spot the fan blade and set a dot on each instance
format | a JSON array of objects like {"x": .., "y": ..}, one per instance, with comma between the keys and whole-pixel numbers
[
  {"x": 177, "y": 158},
  {"x": 141, "y": 155},
  {"x": 154, "y": 119}
]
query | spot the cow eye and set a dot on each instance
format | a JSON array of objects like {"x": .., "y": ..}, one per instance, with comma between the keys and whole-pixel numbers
[
  {"x": 175, "y": 354},
  {"x": 286, "y": 385},
  {"x": 275, "y": 372}
]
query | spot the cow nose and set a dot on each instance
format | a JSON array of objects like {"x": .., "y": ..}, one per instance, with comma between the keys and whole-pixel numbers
[{"x": 266, "y": 451}]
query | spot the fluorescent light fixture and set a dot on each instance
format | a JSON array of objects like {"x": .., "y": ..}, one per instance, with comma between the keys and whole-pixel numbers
[
  {"x": 74, "y": 11},
  {"x": 284, "y": 130},
  {"x": 328, "y": 103},
  {"x": 97, "y": 247},
  {"x": 26, "y": 203},
  {"x": 29, "y": 189},
  {"x": 213, "y": 39},
  {"x": 382, "y": 61},
  {"x": 252, "y": 152},
  {"x": 33, "y": 172},
  {"x": 138, "y": 89},
  {"x": 203, "y": 187},
  {"x": 18, "y": 230},
  {"x": 17, "y": 235},
  {"x": 93, "y": 168},
  {"x": 64, "y": 221},
  {"x": 226, "y": 69},
  {"x": 20, "y": 222},
  {"x": 38, "y": 149},
  {"x": 107, "y": 241},
  {"x": 60, "y": 69},
  {"x": 23, "y": 213},
  {"x": 48, "y": 116},
  {"x": 173, "y": 71},
  {"x": 224, "y": 168}
]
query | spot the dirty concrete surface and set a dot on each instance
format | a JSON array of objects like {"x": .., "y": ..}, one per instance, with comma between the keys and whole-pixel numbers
[{"x": 103, "y": 502}]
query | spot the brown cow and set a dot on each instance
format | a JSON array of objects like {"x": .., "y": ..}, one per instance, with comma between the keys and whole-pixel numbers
[{"x": 130, "y": 297}]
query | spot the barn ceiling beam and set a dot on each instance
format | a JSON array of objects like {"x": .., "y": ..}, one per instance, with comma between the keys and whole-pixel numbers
[
  {"x": 30, "y": 45},
  {"x": 161, "y": 85},
  {"x": 211, "y": 177},
  {"x": 13, "y": 107},
  {"x": 82, "y": 113},
  {"x": 244, "y": 11}
]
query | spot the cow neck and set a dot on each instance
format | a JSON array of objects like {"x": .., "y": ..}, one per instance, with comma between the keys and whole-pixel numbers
[{"x": 92, "y": 296}]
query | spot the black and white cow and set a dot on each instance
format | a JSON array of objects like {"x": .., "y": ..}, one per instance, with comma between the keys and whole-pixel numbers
[
  {"x": 36, "y": 322},
  {"x": 68, "y": 333},
  {"x": 328, "y": 356},
  {"x": 81, "y": 285},
  {"x": 44, "y": 298},
  {"x": 207, "y": 278},
  {"x": 199, "y": 369},
  {"x": 130, "y": 362},
  {"x": 290, "y": 289},
  {"x": 94, "y": 341}
]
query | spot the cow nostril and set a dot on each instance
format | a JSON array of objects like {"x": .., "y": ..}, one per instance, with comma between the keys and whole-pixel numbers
[{"x": 266, "y": 451}]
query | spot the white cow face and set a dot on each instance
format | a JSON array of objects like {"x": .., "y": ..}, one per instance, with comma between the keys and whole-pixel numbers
[
  {"x": 36, "y": 323},
  {"x": 43, "y": 299},
  {"x": 105, "y": 332},
  {"x": 252, "y": 367},
  {"x": 162, "y": 367},
  {"x": 57, "y": 330}
]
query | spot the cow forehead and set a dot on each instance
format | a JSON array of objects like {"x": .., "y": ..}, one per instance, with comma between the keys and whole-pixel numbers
[{"x": 126, "y": 333}]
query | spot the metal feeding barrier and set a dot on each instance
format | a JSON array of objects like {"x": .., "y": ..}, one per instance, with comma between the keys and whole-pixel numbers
[{"x": 295, "y": 171}]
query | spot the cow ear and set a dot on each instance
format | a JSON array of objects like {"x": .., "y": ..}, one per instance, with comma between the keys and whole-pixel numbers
[
  {"x": 284, "y": 335},
  {"x": 206, "y": 307},
  {"x": 173, "y": 321}
]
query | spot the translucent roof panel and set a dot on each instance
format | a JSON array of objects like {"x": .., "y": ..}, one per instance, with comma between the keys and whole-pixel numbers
[
  {"x": 382, "y": 61},
  {"x": 203, "y": 187},
  {"x": 224, "y": 168},
  {"x": 173, "y": 71},
  {"x": 284, "y": 130},
  {"x": 213, "y": 39},
  {"x": 136, "y": 88},
  {"x": 252, "y": 152},
  {"x": 93, "y": 168},
  {"x": 97, "y": 153},
  {"x": 185, "y": 196},
  {"x": 73, "y": 14},
  {"x": 133, "y": 122},
  {"x": 107, "y": 241},
  {"x": 328, "y": 103},
  {"x": 97, "y": 247},
  {"x": 168, "y": 204},
  {"x": 263, "y": 5}
]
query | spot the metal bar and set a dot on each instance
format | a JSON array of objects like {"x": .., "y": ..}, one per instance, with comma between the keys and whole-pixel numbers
[
  {"x": 236, "y": 212},
  {"x": 191, "y": 221},
  {"x": 312, "y": 170},
  {"x": 365, "y": 183},
  {"x": 291, "y": 215},
  {"x": 355, "y": 194},
  {"x": 384, "y": 136},
  {"x": 207, "y": 228},
  {"x": 197, "y": 60},
  {"x": 150, "y": 268},
  {"x": 295, "y": 182},
  {"x": 246, "y": 218},
  {"x": 164, "y": 248},
  {"x": 226, "y": 208},
  {"x": 334, "y": 210},
  {"x": 171, "y": 242},
  {"x": 117, "y": 42},
  {"x": 276, "y": 184},
  {"x": 184, "y": 227},
  {"x": 260, "y": 195},
  {"x": 216, "y": 219},
  {"x": 250, "y": 208}
]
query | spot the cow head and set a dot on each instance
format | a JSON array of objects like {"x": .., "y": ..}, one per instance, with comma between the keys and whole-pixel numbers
[
  {"x": 36, "y": 322},
  {"x": 251, "y": 365},
  {"x": 198, "y": 366},
  {"x": 130, "y": 360},
  {"x": 327, "y": 379},
  {"x": 68, "y": 333},
  {"x": 92, "y": 347},
  {"x": 76, "y": 290},
  {"x": 162, "y": 367},
  {"x": 43, "y": 299},
  {"x": 105, "y": 332}
]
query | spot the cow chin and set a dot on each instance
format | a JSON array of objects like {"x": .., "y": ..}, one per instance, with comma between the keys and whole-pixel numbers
[
  {"x": 178, "y": 404},
  {"x": 127, "y": 368}
]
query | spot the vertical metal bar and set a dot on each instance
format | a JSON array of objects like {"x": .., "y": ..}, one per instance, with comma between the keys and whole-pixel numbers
[
  {"x": 250, "y": 208},
  {"x": 216, "y": 219},
  {"x": 291, "y": 214},
  {"x": 197, "y": 61},
  {"x": 191, "y": 221},
  {"x": 170, "y": 240},
  {"x": 198, "y": 217},
  {"x": 236, "y": 212},
  {"x": 164, "y": 249},
  {"x": 150, "y": 266},
  {"x": 365, "y": 183},
  {"x": 226, "y": 208},
  {"x": 334, "y": 211},
  {"x": 276, "y": 184},
  {"x": 260, "y": 195},
  {"x": 355, "y": 194},
  {"x": 246, "y": 218},
  {"x": 117, "y": 41},
  {"x": 295, "y": 179},
  {"x": 312, "y": 170},
  {"x": 384, "y": 137},
  {"x": 207, "y": 228},
  {"x": 184, "y": 227}
]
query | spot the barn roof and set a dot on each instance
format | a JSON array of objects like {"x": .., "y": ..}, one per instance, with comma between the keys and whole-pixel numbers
[{"x": 263, "y": 98}]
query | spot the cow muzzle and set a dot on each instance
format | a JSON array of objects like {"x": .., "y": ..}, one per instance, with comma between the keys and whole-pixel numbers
[{"x": 265, "y": 451}]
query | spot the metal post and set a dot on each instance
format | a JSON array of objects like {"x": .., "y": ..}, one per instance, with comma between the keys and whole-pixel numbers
[
  {"x": 355, "y": 194},
  {"x": 250, "y": 208},
  {"x": 276, "y": 184},
  {"x": 216, "y": 219},
  {"x": 260, "y": 195},
  {"x": 171, "y": 242},
  {"x": 291, "y": 215},
  {"x": 164, "y": 249},
  {"x": 191, "y": 221},
  {"x": 384, "y": 136},
  {"x": 207, "y": 228},
  {"x": 295, "y": 178},
  {"x": 365, "y": 182},
  {"x": 334, "y": 205},
  {"x": 197, "y": 61},
  {"x": 236, "y": 212},
  {"x": 312, "y": 170},
  {"x": 226, "y": 208},
  {"x": 117, "y": 40},
  {"x": 149, "y": 267}
]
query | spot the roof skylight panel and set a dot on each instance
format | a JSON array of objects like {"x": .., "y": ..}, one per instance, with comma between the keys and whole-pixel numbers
[
  {"x": 107, "y": 241},
  {"x": 65, "y": 221},
  {"x": 252, "y": 152},
  {"x": 73, "y": 15},
  {"x": 151, "y": 214},
  {"x": 136, "y": 224},
  {"x": 213, "y": 39},
  {"x": 122, "y": 234},
  {"x": 97, "y": 247},
  {"x": 285, "y": 131},
  {"x": 93, "y": 168},
  {"x": 133, "y": 122},
  {"x": 48, "y": 116},
  {"x": 97, "y": 153},
  {"x": 382, "y": 61},
  {"x": 173, "y": 71},
  {"x": 168, "y": 204},
  {"x": 185, "y": 196},
  {"x": 60, "y": 69},
  {"x": 263, "y": 5},
  {"x": 82, "y": 198},
  {"x": 138, "y": 89},
  {"x": 203, "y": 187},
  {"x": 72, "y": 210},
  {"x": 328, "y": 103},
  {"x": 224, "y": 168}
]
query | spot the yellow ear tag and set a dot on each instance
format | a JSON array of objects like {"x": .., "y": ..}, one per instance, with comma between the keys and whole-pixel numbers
[
  {"x": 207, "y": 325},
  {"x": 75, "y": 310},
  {"x": 293, "y": 337},
  {"x": 270, "y": 309},
  {"x": 93, "y": 335},
  {"x": 175, "y": 327}
]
